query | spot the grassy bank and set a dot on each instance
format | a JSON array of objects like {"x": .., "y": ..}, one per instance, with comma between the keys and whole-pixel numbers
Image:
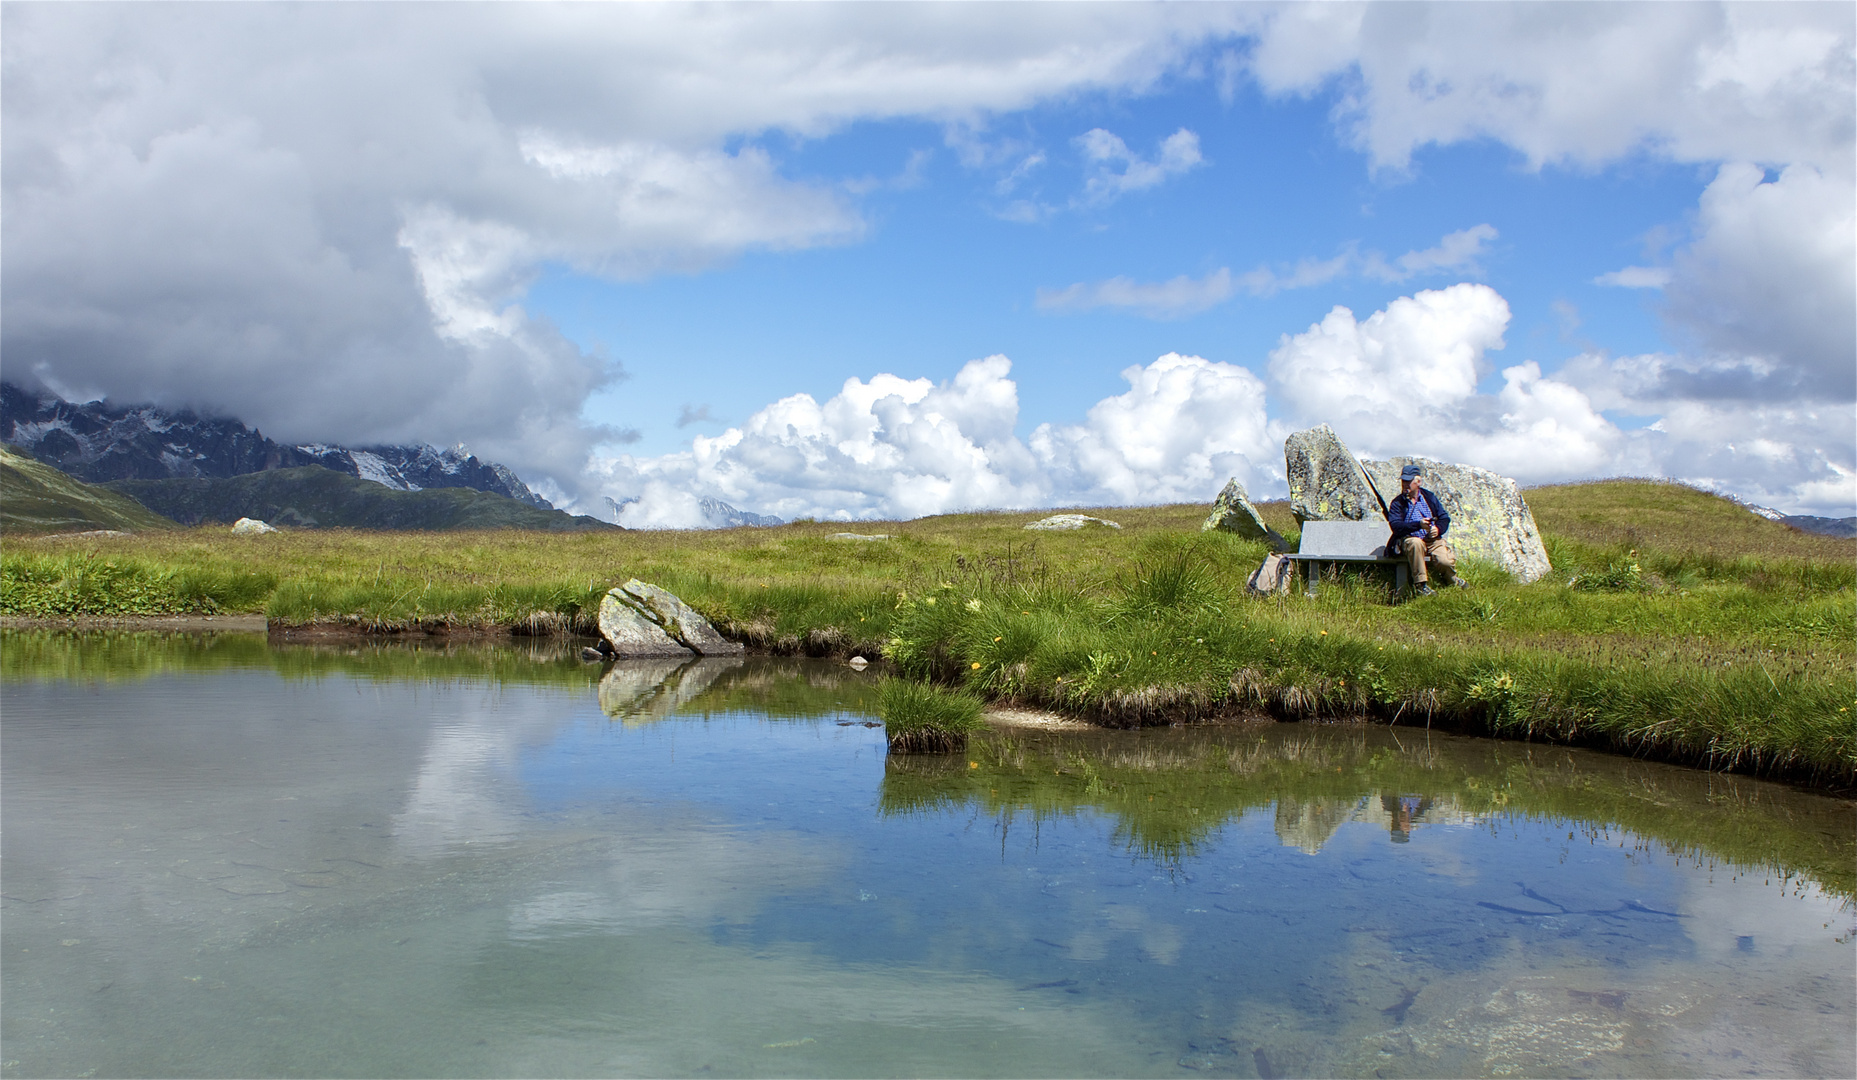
[{"x": 1676, "y": 624}]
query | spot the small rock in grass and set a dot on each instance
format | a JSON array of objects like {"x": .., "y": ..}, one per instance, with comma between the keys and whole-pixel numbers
[
  {"x": 251, "y": 527},
  {"x": 1232, "y": 512},
  {"x": 1069, "y": 522},
  {"x": 859, "y": 536}
]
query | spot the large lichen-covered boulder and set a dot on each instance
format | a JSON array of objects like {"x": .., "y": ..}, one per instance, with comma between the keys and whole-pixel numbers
[
  {"x": 1489, "y": 519},
  {"x": 1232, "y": 512},
  {"x": 678, "y": 619},
  {"x": 1326, "y": 479},
  {"x": 631, "y": 633}
]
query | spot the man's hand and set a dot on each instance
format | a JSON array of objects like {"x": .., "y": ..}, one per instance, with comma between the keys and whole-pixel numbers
[{"x": 1431, "y": 531}]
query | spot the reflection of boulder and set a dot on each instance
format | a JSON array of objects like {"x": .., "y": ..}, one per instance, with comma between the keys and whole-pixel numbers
[
  {"x": 1308, "y": 825},
  {"x": 646, "y": 691},
  {"x": 1489, "y": 520},
  {"x": 1326, "y": 480}
]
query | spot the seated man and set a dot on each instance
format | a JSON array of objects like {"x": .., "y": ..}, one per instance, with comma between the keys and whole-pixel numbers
[{"x": 1419, "y": 524}]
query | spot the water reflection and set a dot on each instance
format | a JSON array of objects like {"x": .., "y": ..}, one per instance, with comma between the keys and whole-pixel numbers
[
  {"x": 646, "y": 691},
  {"x": 230, "y": 860},
  {"x": 1170, "y": 791}
]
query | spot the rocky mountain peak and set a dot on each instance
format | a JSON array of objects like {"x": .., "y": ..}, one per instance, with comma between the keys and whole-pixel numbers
[{"x": 99, "y": 442}]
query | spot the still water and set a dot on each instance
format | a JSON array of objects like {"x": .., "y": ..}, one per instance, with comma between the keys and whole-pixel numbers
[{"x": 224, "y": 859}]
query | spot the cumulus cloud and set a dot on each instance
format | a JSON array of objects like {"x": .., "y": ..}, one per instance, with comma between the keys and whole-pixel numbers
[
  {"x": 1405, "y": 380},
  {"x": 1772, "y": 273},
  {"x": 1457, "y": 252},
  {"x": 1423, "y": 351},
  {"x": 900, "y": 448}
]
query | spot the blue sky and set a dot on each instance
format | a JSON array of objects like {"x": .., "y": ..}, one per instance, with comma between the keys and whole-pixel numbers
[
  {"x": 943, "y": 278},
  {"x": 772, "y": 254}
]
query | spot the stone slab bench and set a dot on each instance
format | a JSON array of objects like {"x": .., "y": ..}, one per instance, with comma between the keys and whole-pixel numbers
[{"x": 1339, "y": 542}]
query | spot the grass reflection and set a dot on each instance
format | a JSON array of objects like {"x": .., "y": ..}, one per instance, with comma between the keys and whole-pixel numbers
[{"x": 1170, "y": 792}]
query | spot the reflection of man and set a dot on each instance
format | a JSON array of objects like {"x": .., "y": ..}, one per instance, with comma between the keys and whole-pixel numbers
[
  {"x": 1419, "y": 524},
  {"x": 1401, "y": 811}
]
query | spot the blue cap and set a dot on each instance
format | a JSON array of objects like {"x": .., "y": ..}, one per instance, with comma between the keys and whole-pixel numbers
[{"x": 1410, "y": 472}]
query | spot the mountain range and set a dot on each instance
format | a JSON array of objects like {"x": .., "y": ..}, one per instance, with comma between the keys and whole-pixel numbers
[
  {"x": 99, "y": 442},
  {"x": 195, "y": 468}
]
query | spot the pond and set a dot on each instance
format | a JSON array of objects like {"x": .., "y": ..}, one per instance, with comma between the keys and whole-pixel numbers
[{"x": 223, "y": 858}]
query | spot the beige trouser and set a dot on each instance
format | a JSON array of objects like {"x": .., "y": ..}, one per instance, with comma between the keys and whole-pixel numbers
[{"x": 1418, "y": 549}]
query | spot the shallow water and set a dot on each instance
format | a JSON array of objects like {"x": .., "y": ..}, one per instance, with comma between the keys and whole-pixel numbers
[{"x": 225, "y": 859}]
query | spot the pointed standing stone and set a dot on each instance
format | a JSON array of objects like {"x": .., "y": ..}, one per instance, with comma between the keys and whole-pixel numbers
[
  {"x": 1326, "y": 479},
  {"x": 1232, "y": 512}
]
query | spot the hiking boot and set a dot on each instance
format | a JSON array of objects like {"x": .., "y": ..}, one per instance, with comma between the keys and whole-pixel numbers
[
  {"x": 1459, "y": 583},
  {"x": 1424, "y": 589}
]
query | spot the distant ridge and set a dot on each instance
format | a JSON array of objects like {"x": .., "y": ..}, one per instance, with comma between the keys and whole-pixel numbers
[
  {"x": 99, "y": 442},
  {"x": 312, "y": 497},
  {"x": 1845, "y": 528},
  {"x": 36, "y": 498}
]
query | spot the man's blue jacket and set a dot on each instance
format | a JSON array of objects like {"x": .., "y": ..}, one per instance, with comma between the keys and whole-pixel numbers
[{"x": 1396, "y": 512}]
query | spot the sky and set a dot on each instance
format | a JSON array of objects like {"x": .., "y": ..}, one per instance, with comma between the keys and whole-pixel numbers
[{"x": 872, "y": 261}]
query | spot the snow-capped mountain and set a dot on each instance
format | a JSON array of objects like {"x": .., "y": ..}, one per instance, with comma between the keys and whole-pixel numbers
[
  {"x": 711, "y": 514},
  {"x": 98, "y": 442}
]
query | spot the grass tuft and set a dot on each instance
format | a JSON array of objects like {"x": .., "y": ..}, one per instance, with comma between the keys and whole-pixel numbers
[{"x": 922, "y": 718}]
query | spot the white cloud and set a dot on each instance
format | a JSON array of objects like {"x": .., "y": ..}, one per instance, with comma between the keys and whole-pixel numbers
[
  {"x": 1423, "y": 351},
  {"x": 1113, "y": 170},
  {"x": 1456, "y": 252},
  {"x": 1579, "y": 83},
  {"x": 1635, "y": 277},
  {"x": 1167, "y": 299},
  {"x": 1405, "y": 381},
  {"x": 900, "y": 448},
  {"x": 1182, "y": 428},
  {"x": 1773, "y": 273}
]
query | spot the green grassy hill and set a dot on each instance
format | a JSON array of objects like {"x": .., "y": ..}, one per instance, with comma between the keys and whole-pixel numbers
[
  {"x": 36, "y": 498},
  {"x": 314, "y": 497}
]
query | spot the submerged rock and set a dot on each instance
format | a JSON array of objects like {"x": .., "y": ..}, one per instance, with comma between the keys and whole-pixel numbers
[
  {"x": 1326, "y": 479},
  {"x": 1069, "y": 522},
  {"x": 251, "y": 527},
  {"x": 1232, "y": 512},
  {"x": 1489, "y": 519}
]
